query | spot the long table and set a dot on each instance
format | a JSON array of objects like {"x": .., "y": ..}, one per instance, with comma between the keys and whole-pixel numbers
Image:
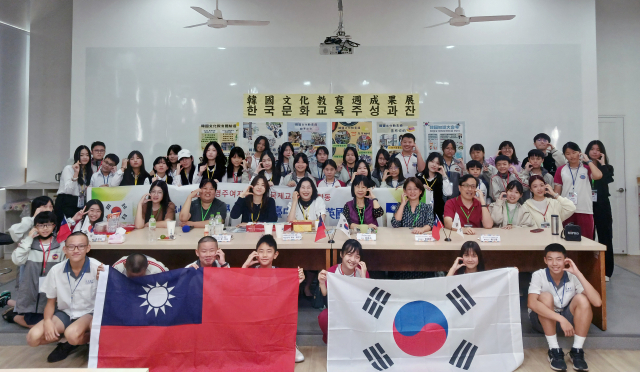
[{"x": 394, "y": 250}]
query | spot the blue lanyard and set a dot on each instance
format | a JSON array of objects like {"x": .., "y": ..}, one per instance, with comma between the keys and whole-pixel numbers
[
  {"x": 556, "y": 289},
  {"x": 319, "y": 172},
  {"x": 77, "y": 282},
  {"x": 107, "y": 181},
  {"x": 286, "y": 169},
  {"x": 448, "y": 167},
  {"x": 574, "y": 179}
]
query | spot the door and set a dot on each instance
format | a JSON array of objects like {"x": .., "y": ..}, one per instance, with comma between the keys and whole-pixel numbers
[{"x": 611, "y": 133}]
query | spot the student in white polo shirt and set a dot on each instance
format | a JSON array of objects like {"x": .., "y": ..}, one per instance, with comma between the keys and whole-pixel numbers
[
  {"x": 410, "y": 158},
  {"x": 71, "y": 285},
  {"x": 137, "y": 264},
  {"x": 560, "y": 300},
  {"x": 209, "y": 255}
]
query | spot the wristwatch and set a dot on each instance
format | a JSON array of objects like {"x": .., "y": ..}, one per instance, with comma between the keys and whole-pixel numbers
[
  {"x": 374, "y": 199},
  {"x": 224, "y": 264}
]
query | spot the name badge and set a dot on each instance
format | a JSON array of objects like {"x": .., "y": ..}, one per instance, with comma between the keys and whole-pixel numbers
[
  {"x": 291, "y": 236},
  {"x": 594, "y": 196},
  {"x": 41, "y": 283},
  {"x": 366, "y": 237},
  {"x": 223, "y": 238},
  {"x": 485, "y": 238},
  {"x": 545, "y": 225},
  {"x": 424, "y": 238},
  {"x": 573, "y": 197}
]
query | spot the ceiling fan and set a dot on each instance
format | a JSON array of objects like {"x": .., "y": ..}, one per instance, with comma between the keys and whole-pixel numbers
[
  {"x": 216, "y": 21},
  {"x": 458, "y": 18}
]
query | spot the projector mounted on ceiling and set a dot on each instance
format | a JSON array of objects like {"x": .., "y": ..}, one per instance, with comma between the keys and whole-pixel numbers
[
  {"x": 340, "y": 43},
  {"x": 215, "y": 20},
  {"x": 458, "y": 18}
]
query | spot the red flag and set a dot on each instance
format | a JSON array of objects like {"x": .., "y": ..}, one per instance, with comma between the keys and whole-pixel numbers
[
  {"x": 321, "y": 232},
  {"x": 435, "y": 232},
  {"x": 64, "y": 231}
]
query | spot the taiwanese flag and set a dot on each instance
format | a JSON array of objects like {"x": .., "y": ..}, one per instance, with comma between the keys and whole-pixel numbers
[
  {"x": 435, "y": 232},
  {"x": 208, "y": 319},
  {"x": 321, "y": 233},
  {"x": 64, "y": 231}
]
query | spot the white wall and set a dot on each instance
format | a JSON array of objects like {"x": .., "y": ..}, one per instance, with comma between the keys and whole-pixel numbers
[
  {"x": 49, "y": 88},
  {"x": 618, "y": 25}
]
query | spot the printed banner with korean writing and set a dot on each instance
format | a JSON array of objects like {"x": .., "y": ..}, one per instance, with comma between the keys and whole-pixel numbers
[
  {"x": 356, "y": 134},
  {"x": 274, "y": 131},
  {"x": 438, "y": 132},
  {"x": 124, "y": 199},
  {"x": 307, "y": 137},
  {"x": 226, "y": 134},
  {"x": 390, "y": 134},
  {"x": 352, "y": 106}
]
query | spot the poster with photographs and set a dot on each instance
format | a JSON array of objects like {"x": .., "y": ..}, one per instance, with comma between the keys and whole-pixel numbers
[
  {"x": 437, "y": 132},
  {"x": 307, "y": 137},
  {"x": 390, "y": 134},
  {"x": 357, "y": 134},
  {"x": 273, "y": 131},
  {"x": 226, "y": 134}
]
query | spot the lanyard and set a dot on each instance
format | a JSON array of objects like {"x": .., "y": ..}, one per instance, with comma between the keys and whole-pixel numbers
[
  {"x": 77, "y": 282},
  {"x": 319, "y": 172},
  {"x": 107, "y": 181},
  {"x": 259, "y": 211},
  {"x": 574, "y": 179},
  {"x": 45, "y": 259},
  {"x": 187, "y": 177},
  {"x": 349, "y": 171},
  {"x": 286, "y": 169},
  {"x": 211, "y": 173},
  {"x": 505, "y": 183},
  {"x": 415, "y": 219},
  {"x": 332, "y": 183},
  {"x": 556, "y": 289},
  {"x": 515, "y": 210},
  {"x": 448, "y": 168},
  {"x": 157, "y": 214},
  {"x": 202, "y": 210},
  {"x": 235, "y": 178},
  {"x": 465, "y": 213},
  {"x": 305, "y": 212},
  {"x": 406, "y": 163},
  {"x": 433, "y": 184},
  {"x": 360, "y": 216}
]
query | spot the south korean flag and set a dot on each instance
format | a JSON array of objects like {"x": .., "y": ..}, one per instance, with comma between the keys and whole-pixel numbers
[{"x": 460, "y": 323}]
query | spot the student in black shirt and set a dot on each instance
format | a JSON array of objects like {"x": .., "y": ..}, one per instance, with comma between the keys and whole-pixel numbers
[{"x": 255, "y": 204}]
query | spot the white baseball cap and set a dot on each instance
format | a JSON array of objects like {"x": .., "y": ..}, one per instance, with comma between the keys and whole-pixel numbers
[{"x": 184, "y": 153}]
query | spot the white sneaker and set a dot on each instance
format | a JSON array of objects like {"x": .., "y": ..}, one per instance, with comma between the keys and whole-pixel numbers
[
  {"x": 299, "y": 356},
  {"x": 606, "y": 278}
]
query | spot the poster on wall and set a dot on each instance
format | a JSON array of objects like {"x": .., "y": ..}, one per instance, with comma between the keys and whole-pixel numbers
[
  {"x": 357, "y": 134},
  {"x": 390, "y": 134},
  {"x": 306, "y": 137},
  {"x": 226, "y": 134},
  {"x": 437, "y": 132},
  {"x": 274, "y": 131}
]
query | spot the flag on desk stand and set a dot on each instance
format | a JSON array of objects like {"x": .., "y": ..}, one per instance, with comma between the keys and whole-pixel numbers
[
  {"x": 457, "y": 225},
  {"x": 194, "y": 320},
  {"x": 64, "y": 231},
  {"x": 460, "y": 323},
  {"x": 435, "y": 232},
  {"x": 343, "y": 225},
  {"x": 322, "y": 231}
]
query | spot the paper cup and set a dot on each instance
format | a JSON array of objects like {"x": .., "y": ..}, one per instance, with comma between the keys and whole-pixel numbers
[
  {"x": 279, "y": 230},
  {"x": 171, "y": 228},
  {"x": 268, "y": 228}
]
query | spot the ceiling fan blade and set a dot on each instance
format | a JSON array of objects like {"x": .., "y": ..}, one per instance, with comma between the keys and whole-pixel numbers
[
  {"x": 199, "y": 24},
  {"x": 203, "y": 12},
  {"x": 491, "y": 18},
  {"x": 446, "y": 11},
  {"x": 247, "y": 23},
  {"x": 439, "y": 24}
]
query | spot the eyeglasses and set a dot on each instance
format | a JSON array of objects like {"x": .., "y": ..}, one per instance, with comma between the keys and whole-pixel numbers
[
  {"x": 99, "y": 151},
  {"x": 543, "y": 140},
  {"x": 79, "y": 247},
  {"x": 467, "y": 186},
  {"x": 45, "y": 226}
]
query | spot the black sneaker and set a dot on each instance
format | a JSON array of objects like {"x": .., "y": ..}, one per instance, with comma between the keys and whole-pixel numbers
[
  {"x": 556, "y": 359},
  {"x": 577, "y": 358},
  {"x": 9, "y": 314},
  {"x": 61, "y": 352}
]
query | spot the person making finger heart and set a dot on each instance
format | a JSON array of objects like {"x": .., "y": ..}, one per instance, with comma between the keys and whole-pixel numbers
[
  {"x": 255, "y": 204},
  {"x": 196, "y": 213},
  {"x": 411, "y": 212},
  {"x": 364, "y": 209},
  {"x": 209, "y": 255}
]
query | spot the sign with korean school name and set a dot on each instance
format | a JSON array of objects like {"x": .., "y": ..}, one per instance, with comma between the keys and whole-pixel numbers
[{"x": 352, "y": 106}]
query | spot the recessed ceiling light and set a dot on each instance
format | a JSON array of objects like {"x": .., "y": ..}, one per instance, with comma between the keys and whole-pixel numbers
[
  {"x": 232, "y": 84},
  {"x": 364, "y": 82},
  {"x": 307, "y": 83},
  {"x": 451, "y": 46},
  {"x": 222, "y": 48}
]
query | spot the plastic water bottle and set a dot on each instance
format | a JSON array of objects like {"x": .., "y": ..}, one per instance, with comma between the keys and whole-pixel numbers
[
  {"x": 152, "y": 229},
  {"x": 212, "y": 223},
  {"x": 218, "y": 219},
  {"x": 219, "y": 224}
]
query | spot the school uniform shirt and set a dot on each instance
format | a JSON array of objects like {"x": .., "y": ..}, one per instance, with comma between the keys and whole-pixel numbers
[
  {"x": 454, "y": 206},
  {"x": 83, "y": 225},
  {"x": 504, "y": 213},
  {"x": 345, "y": 174},
  {"x": 541, "y": 211},
  {"x": 195, "y": 179},
  {"x": 173, "y": 173},
  {"x": 95, "y": 165},
  {"x": 76, "y": 296},
  {"x": 313, "y": 213},
  {"x": 167, "y": 179},
  {"x": 409, "y": 164},
  {"x": 67, "y": 184},
  {"x": 316, "y": 170},
  {"x": 248, "y": 214},
  {"x": 35, "y": 260},
  {"x": 21, "y": 229},
  {"x": 117, "y": 179},
  {"x": 453, "y": 172},
  {"x": 492, "y": 161},
  {"x": 499, "y": 184},
  {"x": 578, "y": 181},
  {"x": 197, "y": 262},
  {"x": 154, "y": 267},
  {"x": 267, "y": 175},
  {"x": 254, "y": 162},
  {"x": 423, "y": 216},
  {"x": 285, "y": 167},
  {"x": 483, "y": 188},
  {"x": 98, "y": 179},
  {"x": 570, "y": 286},
  {"x": 525, "y": 176},
  {"x": 436, "y": 192},
  {"x": 293, "y": 177},
  {"x": 393, "y": 184},
  {"x": 198, "y": 212},
  {"x": 244, "y": 178},
  {"x": 376, "y": 173},
  {"x": 335, "y": 183},
  {"x": 552, "y": 160}
]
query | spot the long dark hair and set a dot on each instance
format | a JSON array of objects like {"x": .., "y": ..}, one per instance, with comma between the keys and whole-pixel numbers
[
  {"x": 384, "y": 153},
  {"x": 85, "y": 169},
  {"x": 265, "y": 196},
  {"x": 395, "y": 161},
  {"x": 514, "y": 158},
  {"x": 314, "y": 193},
  {"x": 38, "y": 202},
  {"x": 164, "y": 203},
  {"x": 267, "y": 145},
  {"x": 448, "y": 142},
  {"x": 128, "y": 178},
  {"x": 281, "y": 158},
  {"x": 304, "y": 158},
  {"x": 175, "y": 149},
  {"x": 344, "y": 156},
  {"x": 355, "y": 170},
  {"x": 186, "y": 180},
  {"x": 89, "y": 204},
  {"x": 166, "y": 161},
  {"x": 235, "y": 151},
  {"x": 432, "y": 156},
  {"x": 602, "y": 150},
  {"x": 471, "y": 246},
  {"x": 275, "y": 171},
  {"x": 221, "y": 160}
]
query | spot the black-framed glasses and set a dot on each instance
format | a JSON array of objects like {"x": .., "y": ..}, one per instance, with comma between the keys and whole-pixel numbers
[{"x": 79, "y": 247}]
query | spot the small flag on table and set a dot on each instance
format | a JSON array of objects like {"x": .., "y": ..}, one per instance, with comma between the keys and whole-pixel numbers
[
  {"x": 64, "y": 231},
  {"x": 436, "y": 229},
  {"x": 343, "y": 225},
  {"x": 321, "y": 231}
]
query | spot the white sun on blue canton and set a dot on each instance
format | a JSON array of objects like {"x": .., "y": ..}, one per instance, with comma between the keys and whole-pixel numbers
[{"x": 157, "y": 297}]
